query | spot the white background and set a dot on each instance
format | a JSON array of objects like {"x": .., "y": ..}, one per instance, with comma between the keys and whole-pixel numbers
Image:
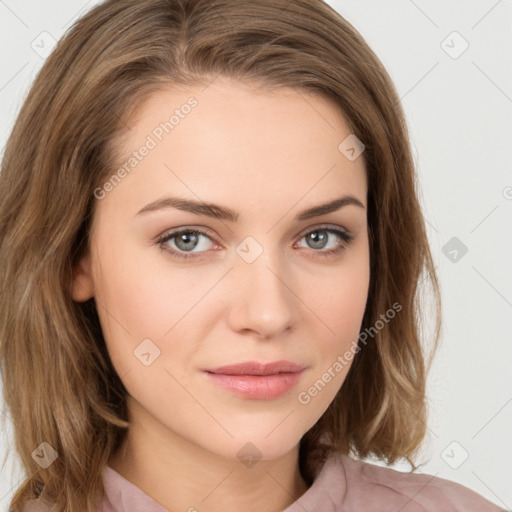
[{"x": 459, "y": 112}]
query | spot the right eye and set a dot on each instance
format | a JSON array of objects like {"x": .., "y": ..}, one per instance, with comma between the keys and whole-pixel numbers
[{"x": 184, "y": 242}]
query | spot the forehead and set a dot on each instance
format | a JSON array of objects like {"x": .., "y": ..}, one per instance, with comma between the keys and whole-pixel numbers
[{"x": 227, "y": 142}]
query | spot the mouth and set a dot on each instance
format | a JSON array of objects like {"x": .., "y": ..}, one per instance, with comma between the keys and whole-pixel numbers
[
  {"x": 257, "y": 381},
  {"x": 256, "y": 368}
]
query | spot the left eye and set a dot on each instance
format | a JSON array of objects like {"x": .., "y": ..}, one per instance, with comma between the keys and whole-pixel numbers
[{"x": 318, "y": 238}]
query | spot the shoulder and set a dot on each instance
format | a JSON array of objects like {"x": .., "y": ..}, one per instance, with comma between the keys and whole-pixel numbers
[{"x": 369, "y": 486}]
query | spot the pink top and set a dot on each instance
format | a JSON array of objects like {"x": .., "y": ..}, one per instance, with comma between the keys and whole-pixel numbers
[{"x": 343, "y": 485}]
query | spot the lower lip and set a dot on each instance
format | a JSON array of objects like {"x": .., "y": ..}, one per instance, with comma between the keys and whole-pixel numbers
[{"x": 257, "y": 387}]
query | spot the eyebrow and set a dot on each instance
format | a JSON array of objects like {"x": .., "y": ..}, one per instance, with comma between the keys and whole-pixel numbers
[{"x": 223, "y": 213}]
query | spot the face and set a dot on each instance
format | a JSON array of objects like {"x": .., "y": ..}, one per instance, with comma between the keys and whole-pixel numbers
[{"x": 260, "y": 277}]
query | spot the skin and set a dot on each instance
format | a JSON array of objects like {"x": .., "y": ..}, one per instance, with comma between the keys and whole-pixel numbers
[{"x": 268, "y": 156}]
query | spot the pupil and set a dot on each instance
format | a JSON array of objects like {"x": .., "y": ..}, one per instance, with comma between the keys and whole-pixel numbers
[
  {"x": 318, "y": 243},
  {"x": 186, "y": 238}
]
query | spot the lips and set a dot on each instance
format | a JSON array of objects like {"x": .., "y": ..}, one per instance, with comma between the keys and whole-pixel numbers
[
  {"x": 256, "y": 368},
  {"x": 257, "y": 381}
]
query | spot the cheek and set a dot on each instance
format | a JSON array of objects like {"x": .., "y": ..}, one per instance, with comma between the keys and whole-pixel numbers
[
  {"x": 338, "y": 298},
  {"x": 348, "y": 305},
  {"x": 141, "y": 287},
  {"x": 136, "y": 302},
  {"x": 335, "y": 345},
  {"x": 339, "y": 303},
  {"x": 148, "y": 305}
]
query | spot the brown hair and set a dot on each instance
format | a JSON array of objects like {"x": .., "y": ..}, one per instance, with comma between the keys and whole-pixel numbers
[{"x": 58, "y": 382}]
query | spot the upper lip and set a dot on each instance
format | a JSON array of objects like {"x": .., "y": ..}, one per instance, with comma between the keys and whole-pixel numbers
[{"x": 256, "y": 368}]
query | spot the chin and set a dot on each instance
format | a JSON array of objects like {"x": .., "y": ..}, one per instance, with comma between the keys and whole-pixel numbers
[{"x": 250, "y": 449}]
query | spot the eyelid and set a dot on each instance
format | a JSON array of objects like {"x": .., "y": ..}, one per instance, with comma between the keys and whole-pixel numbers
[
  {"x": 199, "y": 229},
  {"x": 318, "y": 227}
]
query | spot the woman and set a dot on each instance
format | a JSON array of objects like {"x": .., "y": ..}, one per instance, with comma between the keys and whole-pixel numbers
[{"x": 255, "y": 368}]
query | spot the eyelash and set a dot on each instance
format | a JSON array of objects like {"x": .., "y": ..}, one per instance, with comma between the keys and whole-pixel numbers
[{"x": 161, "y": 242}]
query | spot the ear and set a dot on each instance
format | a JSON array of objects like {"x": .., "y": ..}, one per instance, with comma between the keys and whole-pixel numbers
[{"x": 82, "y": 288}]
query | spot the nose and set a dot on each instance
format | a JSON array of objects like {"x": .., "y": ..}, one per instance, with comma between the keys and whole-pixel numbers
[{"x": 262, "y": 299}]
